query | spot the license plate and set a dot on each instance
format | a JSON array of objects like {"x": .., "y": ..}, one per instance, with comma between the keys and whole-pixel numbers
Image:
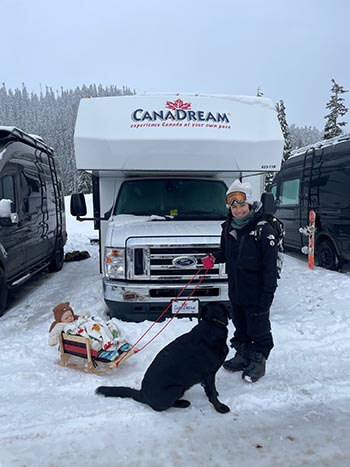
[{"x": 190, "y": 307}]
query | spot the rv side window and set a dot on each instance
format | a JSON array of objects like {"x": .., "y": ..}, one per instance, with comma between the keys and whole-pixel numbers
[
  {"x": 7, "y": 190},
  {"x": 289, "y": 192}
]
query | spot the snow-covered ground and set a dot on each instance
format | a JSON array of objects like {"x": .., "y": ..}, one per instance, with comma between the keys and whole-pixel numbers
[{"x": 298, "y": 414}]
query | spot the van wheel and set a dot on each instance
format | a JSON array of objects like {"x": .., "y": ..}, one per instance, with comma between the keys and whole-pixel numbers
[
  {"x": 3, "y": 293},
  {"x": 327, "y": 256},
  {"x": 58, "y": 259}
]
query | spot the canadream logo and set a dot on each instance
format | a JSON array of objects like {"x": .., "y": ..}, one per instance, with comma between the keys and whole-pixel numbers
[{"x": 178, "y": 111}]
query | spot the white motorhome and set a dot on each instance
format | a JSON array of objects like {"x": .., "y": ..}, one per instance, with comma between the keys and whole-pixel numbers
[{"x": 161, "y": 165}]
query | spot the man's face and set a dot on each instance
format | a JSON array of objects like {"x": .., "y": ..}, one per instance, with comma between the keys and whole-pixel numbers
[{"x": 67, "y": 317}]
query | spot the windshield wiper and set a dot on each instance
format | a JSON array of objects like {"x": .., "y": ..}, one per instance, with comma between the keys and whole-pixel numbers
[{"x": 162, "y": 217}]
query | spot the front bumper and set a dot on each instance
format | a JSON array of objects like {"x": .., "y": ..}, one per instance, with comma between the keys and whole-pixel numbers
[{"x": 137, "y": 302}]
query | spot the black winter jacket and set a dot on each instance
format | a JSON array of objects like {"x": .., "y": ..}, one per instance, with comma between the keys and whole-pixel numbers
[{"x": 251, "y": 263}]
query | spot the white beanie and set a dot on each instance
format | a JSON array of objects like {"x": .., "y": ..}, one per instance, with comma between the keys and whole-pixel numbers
[{"x": 244, "y": 187}]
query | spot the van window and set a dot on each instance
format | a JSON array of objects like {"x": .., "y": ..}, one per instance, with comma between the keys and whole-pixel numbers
[
  {"x": 289, "y": 192},
  {"x": 334, "y": 187},
  {"x": 7, "y": 190},
  {"x": 31, "y": 191}
]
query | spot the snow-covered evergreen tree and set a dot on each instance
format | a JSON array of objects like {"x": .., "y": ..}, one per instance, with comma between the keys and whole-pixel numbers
[
  {"x": 84, "y": 182},
  {"x": 281, "y": 114},
  {"x": 259, "y": 92},
  {"x": 336, "y": 109},
  {"x": 287, "y": 149}
]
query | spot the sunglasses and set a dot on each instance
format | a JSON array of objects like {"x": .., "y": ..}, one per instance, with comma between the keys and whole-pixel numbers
[{"x": 237, "y": 197}]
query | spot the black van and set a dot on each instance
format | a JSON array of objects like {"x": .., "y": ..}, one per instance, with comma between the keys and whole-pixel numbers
[
  {"x": 317, "y": 177},
  {"x": 32, "y": 222}
]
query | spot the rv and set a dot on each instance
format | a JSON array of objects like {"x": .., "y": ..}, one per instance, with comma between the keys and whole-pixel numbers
[
  {"x": 32, "y": 222},
  {"x": 317, "y": 178},
  {"x": 161, "y": 165}
]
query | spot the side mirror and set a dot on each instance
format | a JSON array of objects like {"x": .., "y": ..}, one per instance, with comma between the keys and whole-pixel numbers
[
  {"x": 268, "y": 203},
  {"x": 78, "y": 205},
  {"x": 14, "y": 218}
]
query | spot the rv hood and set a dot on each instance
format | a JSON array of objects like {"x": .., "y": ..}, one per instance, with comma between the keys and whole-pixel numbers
[{"x": 122, "y": 227}]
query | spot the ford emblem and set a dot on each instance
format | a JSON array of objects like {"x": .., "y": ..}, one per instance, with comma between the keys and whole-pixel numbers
[{"x": 185, "y": 261}]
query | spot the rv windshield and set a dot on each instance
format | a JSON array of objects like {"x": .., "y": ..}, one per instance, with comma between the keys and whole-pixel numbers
[{"x": 181, "y": 199}]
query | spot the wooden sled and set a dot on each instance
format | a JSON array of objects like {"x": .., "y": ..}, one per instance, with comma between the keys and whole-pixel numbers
[{"x": 81, "y": 347}]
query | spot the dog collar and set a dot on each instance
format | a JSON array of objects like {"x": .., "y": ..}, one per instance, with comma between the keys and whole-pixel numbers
[{"x": 218, "y": 321}]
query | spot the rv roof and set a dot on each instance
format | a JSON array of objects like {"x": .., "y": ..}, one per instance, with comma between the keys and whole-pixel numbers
[{"x": 178, "y": 132}]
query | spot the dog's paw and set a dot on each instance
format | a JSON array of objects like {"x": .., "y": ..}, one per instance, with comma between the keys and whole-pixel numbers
[
  {"x": 182, "y": 404},
  {"x": 222, "y": 408}
]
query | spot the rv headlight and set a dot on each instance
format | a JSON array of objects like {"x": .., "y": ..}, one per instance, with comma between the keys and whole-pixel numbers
[{"x": 114, "y": 263}]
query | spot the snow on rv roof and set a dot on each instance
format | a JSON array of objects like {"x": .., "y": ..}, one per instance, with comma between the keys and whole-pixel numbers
[
  {"x": 178, "y": 132},
  {"x": 244, "y": 99}
]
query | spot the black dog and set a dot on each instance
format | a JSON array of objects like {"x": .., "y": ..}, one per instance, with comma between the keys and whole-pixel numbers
[{"x": 192, "y": 358}]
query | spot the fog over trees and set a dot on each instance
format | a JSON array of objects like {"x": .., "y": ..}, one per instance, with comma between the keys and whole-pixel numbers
[{"x": 303, "y": 136}]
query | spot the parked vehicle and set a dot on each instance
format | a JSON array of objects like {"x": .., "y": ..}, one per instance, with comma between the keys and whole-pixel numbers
[
  {"x": 32, "y": 222},
  {"x": 161, "y": 165},
  {"x": 317, "y": 177}
]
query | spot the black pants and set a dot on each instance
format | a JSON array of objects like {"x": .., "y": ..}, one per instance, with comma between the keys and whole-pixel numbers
[{"x": 253, "y": 328}]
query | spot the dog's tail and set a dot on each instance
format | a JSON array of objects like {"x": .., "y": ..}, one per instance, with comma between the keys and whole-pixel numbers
[{"x": 120, "y": 391}]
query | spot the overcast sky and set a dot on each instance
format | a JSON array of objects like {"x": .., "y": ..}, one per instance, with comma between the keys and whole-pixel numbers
[{"x": 289, "y": 48}]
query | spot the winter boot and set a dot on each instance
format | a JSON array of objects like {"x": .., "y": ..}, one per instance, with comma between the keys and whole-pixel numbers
[
  {"x": 239, "y": 362},
  {"x": 256, "y": 368}
]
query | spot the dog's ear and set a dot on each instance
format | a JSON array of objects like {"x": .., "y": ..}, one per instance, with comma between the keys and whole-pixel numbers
[{"x": 214, "y": 310}]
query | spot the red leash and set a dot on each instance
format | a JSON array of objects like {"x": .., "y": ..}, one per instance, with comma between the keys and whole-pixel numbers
[{"x": 133, "y": 349}]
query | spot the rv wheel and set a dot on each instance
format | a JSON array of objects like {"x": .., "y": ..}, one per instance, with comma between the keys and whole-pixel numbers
[
  {"x": 58, "y": 259},
  {"x": 3, "y": 293},
  {"x": 327, "y": 256}
]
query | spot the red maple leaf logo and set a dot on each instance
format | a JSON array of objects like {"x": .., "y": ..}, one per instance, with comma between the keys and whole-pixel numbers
[{"x": 178, "y": 104}]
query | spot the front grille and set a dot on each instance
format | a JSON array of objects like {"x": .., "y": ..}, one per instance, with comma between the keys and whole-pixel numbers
[
  {"x": 138, "y": 261},
  {"x": 161, "y": 262},
  {"x": 178, "y": 251},
  {"x": 155, "y": 262}
]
